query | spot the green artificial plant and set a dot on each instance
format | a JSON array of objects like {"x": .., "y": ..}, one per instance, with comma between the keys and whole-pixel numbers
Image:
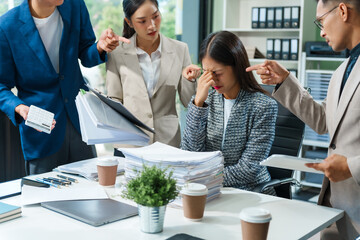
[{"x": 152, "y": 187}]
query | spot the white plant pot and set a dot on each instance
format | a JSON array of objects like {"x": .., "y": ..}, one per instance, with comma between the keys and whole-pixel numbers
[{"x": 151, "y": 218}]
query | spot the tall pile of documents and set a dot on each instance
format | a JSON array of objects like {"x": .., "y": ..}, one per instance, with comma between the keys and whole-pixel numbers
[
  {"x": 104, "y": 120},
  {"x": 199, "y": 167}
]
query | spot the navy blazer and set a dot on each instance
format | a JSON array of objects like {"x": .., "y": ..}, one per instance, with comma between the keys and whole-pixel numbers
[{"x": 25, "y": 64}]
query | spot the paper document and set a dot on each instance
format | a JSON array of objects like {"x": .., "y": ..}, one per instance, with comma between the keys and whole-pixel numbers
[
  {"x": 290, "y": 162},
  {"x": 99, "y": 123},
  {"x": 88, "y": 168},
  {"x": 82, "y": 190},
  {"x": 117, "y": 106}
]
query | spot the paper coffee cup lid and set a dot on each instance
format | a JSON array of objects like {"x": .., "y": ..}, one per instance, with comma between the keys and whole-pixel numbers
[
  {"x": 107, "y": 162},
  {"x": 194, "y": 189},
  {"x": 255, "y": 215}
]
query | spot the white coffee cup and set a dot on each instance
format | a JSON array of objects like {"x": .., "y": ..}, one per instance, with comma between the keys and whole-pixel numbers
[
  {"x": 107, "y": 171},
  {"x": 255, "y": 223},
  {"x": 194, "y": 200}
]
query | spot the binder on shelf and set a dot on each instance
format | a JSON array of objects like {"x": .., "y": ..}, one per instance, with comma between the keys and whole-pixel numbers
[
  {"x": 270, "y": 48},
  {"x": 295, "y": 16},
  {"x": 277, "y": 49},
  {"x": 278, "y": 17},
  {"x": 255, "y": 17},
  {"x": 285, "y": 49},
  {"x": 270, "y": 18},
  {"x": 287, "y": 17},
  {"x": 294, "y": 49},
  {"x": 262, "y": 17}
]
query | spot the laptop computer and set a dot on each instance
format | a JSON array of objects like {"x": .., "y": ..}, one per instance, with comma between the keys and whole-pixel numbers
[{"x": 95, "y": 212}]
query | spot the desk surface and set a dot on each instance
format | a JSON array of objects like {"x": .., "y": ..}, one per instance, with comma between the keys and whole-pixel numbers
[{"x": 292, "y": 219}]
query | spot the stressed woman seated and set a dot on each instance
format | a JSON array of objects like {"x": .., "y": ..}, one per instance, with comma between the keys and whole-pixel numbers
[{"x": 231, "y": 113}]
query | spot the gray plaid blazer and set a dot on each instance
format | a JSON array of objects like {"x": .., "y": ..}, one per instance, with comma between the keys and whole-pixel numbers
[{"x": 249, "y": 135}]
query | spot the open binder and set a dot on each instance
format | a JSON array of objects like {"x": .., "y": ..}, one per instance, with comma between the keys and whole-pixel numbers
[{"x": 104, "y": 120}]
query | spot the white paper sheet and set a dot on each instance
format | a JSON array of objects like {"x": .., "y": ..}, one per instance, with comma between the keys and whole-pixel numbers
[
  {"x": 290, "y": 162},
  {"x": 82, "y": 190}
]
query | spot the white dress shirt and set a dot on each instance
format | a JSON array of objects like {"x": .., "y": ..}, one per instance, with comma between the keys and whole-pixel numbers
[
  {"x": 50, "y": 30},
  {"x": 228, "y": 104},
  {"x": 150, "y": 67}
]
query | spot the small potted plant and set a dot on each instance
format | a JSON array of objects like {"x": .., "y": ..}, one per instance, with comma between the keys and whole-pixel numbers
[{"x": 152, "y": 190}]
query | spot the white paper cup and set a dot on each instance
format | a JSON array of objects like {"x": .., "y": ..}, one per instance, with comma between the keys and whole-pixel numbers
[
  {"x": 194, "y": 200},
  {"x": 255, "y": 223},
  {"x": 107, "y": 171}
]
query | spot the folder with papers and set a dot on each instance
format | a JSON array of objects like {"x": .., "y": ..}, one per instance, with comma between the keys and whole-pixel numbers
[
  {"x": 101, "y": 123},
  {"x": 88, "y": 168}
]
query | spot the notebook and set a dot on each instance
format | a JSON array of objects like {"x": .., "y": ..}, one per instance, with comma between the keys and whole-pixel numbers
[
  {"x": 8, "y": 212},
  {"x": 95, "y": 212}
]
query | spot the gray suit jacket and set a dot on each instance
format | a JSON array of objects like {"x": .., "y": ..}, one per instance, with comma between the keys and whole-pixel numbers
[
  {"x": 341, "y": 119},
  {"x": 248, "y": 138},
  {"x": 125, "y": 82}
]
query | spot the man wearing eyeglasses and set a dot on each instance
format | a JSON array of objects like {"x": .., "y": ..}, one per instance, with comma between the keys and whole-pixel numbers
[{"x": 338, "y": 114}]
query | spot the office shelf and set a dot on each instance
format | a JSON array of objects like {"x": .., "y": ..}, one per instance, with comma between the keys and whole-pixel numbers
[
  {"x": 237, "y": 16},
  {"x": 327, "y": 59}
]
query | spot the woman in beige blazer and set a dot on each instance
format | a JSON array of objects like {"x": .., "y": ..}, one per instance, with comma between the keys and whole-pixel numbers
[{"x": 146, "y": 74}]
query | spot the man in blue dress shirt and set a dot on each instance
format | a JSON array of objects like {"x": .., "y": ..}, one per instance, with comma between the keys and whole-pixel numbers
[{"x": 40, "y": 44}]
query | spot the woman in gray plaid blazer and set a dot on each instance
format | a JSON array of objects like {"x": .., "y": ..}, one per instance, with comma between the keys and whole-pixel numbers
[{"x": 231, "y": 112}]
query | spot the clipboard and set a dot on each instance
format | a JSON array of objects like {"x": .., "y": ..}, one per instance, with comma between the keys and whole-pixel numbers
[
  {"x": 290, "y": 162},
  {"x": 117, "y": 106}
]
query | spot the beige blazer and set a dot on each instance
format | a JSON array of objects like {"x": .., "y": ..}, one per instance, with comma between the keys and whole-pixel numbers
[
  {"x": 125, "y": 82},
  {"x": 341, "y": 119}
]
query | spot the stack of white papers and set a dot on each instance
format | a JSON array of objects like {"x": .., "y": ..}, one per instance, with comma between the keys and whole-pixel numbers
[
  {"x": 199, "y": 167},
  {"x": 100, "y": 123},
  {"x": 88, "y": 168}
]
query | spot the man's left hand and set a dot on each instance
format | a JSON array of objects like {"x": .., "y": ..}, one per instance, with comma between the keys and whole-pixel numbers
[
  {"x": 335, "y": 167},
  {"x": 109, "y": 41}
]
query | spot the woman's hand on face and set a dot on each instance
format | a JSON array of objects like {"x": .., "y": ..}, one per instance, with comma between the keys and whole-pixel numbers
[
  {"x": 191, "y": 72},
  {"x": 205, "y": 82}
]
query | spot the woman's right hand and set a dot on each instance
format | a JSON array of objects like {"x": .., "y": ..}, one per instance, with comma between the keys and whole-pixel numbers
[{"x": 205, "y": 82}]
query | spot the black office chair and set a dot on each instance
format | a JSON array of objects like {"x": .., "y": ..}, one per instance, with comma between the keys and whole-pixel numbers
[{"x": 289, "y": 132}]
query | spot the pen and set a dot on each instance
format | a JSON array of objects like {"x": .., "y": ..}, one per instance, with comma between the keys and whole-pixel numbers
[
  {"x": 57, "y": 181},
  {"x": 67, "y": 178},
  {"x": 46, "y": 182},
  {"x": 60, "y": 180}
]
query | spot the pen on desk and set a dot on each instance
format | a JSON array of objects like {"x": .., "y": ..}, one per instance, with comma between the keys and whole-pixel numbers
[
  {"x": 58, "y": 181},
  {"x": 67, "y": 178},
  {"x": 46, "y": 182}
]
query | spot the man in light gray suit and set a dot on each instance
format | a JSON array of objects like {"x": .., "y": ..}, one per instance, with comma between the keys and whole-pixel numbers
[{"x": 338, "y": 114}]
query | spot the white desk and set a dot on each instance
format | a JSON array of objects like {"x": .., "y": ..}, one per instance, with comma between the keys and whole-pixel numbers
[{"x": 291, "y": 220}]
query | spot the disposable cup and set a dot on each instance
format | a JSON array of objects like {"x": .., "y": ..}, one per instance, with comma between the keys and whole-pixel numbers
[
  {"x": 255, "y": 223},
  {"x": 194, "y": 200},
  {"x": 107, "y": 171}
]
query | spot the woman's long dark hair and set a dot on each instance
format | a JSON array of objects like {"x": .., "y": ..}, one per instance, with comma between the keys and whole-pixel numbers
[
  {"x": 130, "y": 7},
  {"x": 226, "y": 48}
]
